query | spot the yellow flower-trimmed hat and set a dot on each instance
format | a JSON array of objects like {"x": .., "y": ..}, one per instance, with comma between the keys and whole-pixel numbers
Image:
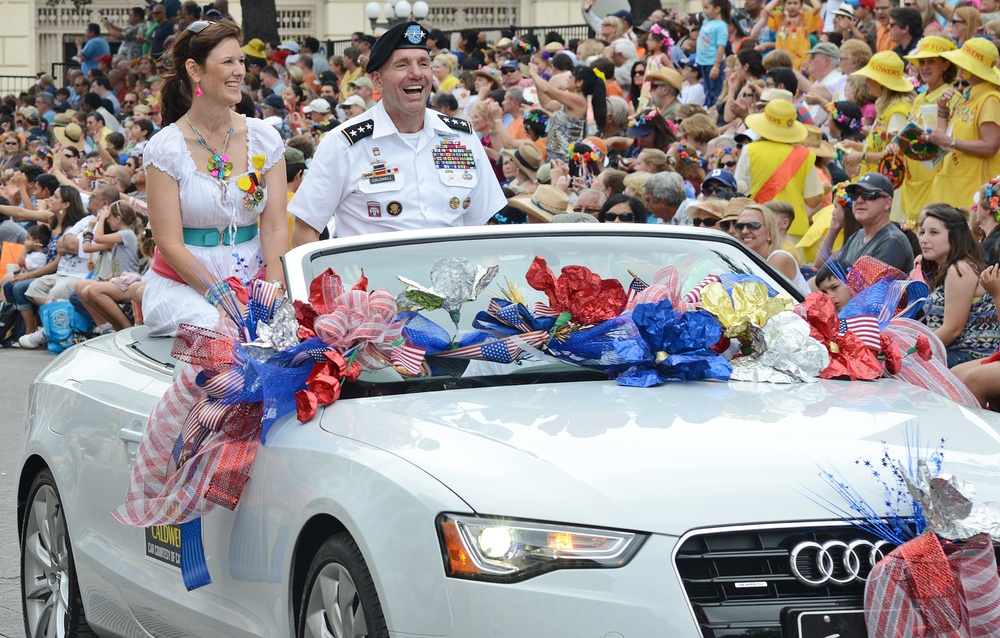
[
  {"x": 931, "y": 46},
  {"x": 977, "y": 56},
  {"x": 886, "y": 68},
  {"x": 254, "y": 48},
  {"x": 778, "y": 123}
]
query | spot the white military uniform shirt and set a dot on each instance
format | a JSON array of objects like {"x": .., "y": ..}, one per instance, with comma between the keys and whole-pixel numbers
[{"x": 373, "y": 178}]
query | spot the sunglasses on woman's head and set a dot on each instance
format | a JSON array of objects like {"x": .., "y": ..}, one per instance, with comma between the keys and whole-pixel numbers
[
  {"x": 752, "y": 226},
  {"x": 199, "y": 26},
  {"x": 609, "y": 216},
  {"x": 709, "y": 222}
]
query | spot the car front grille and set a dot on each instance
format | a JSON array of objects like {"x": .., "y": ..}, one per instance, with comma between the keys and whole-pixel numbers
[{"x": 739, "y": 581}]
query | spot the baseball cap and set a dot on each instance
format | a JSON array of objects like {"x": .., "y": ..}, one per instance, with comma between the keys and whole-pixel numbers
[
  {"x": 362, "y": 81},
  {"x": 355, "y": 100},
  {"x": 511, "y": 64},
  {"x": 826, "y": 48},
  {"x": 872, "y": 183},
  {"x": 741, "y": 20},
  {"x": 721, "y": 176},
  {"x": 319, "y": 105},
  {"x": 768, "y": 95},
  {"x": 274, "y": 101},
  {"x": 294, "y": 156},
  {"x": 624, "y": 15},
  {"x": 290, "y": 45},
  {"x": 292, "y": 59}
]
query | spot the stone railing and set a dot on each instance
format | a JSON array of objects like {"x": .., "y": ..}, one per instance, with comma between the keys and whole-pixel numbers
[{"x": 473, "y": 15}]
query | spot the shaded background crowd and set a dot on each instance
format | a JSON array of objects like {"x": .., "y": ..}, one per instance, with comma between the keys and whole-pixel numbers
[{"x": 815, "y": 134}]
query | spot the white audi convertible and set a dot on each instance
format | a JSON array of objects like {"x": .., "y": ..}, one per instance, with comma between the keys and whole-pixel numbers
[{"x": 538, "y": 498}]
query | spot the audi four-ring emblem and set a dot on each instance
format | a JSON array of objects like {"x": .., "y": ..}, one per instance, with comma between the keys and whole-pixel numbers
[{"x": 835, "y": 561}]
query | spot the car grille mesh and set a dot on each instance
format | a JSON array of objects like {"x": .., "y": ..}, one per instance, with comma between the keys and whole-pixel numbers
[{"x": 713, "y": 564}]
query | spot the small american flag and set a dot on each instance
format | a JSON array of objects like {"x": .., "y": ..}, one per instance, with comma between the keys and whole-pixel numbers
[
  {"x": 407, "y": 357},
  {"x": 865, "y": 327},
  {"x": 499, "y": 351},
  {"x": 693, "y": 297}
]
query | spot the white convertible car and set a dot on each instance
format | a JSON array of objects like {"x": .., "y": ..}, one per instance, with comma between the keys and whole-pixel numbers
[{"x": 484, "y": 499}]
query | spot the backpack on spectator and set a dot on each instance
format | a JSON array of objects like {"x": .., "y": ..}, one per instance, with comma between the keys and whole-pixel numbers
[{"x": 11, "y": 325}]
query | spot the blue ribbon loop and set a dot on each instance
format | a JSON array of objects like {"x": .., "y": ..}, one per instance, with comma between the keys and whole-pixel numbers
[{"x": 194, "y": 569}]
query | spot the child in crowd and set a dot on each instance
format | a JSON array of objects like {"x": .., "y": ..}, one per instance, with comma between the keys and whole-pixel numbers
[
  {"x": 711, "y": 50},
  {"x": 830, "y": 284},
  {"x": 794, "y": 26},
  {"x": 692, "y": 91},
  {"x": 34, "y": 256}
]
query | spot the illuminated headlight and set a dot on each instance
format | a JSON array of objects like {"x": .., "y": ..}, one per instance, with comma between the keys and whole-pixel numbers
[{"x": 505, "y": 550}]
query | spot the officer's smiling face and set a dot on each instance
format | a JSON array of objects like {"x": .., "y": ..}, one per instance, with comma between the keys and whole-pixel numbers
[{"x": 405, "y": 80}]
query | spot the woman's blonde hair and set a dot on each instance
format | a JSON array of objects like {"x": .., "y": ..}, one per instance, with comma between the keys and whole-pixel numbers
[
  {"x": 699, "y": 129},
  {"x": 590, "y": 47},
  {"x": 482, "y": 107},
  {"x": 11, "y": 135},
  {"x": 616, "y": 22},
  {"x": 857, "y": 90},
  {"x": 770, "y": 224},
  {"x": 655, "y": 158},
  {"x": 992, "y": 28},
  {"x": 890, "y": 97},
  {"x": 449, "y": 60},
  {"x": 973, "y": 21},
  {"x": 857, "y": 51},
  {"x": 634, "y": 184},
  {"x": 776, "y": 58},
  {"x": 927, "y": 13}
]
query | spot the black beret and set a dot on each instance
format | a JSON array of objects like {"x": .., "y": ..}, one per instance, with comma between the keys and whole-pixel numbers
[{"x": 409, "y": 35}]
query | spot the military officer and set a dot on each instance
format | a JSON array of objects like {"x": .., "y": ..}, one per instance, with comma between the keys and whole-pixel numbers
[{"x": 399, "y": 165}]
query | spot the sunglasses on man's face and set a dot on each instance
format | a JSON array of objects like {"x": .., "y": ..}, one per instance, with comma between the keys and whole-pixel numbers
[
  {"x": 609, "y": 216},
  {"x": 751, "y": 226},
  {"x": 870, "y": 196},
  {"x": 506, "y": 71},
  {"x": 709, "y": 222}
]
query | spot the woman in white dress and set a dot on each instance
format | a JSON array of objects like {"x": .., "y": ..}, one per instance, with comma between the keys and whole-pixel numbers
[{"x": 215, "y": 182}]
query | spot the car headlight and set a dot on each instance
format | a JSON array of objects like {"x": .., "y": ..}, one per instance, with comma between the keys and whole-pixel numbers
[{"x": 505, "y": 551}]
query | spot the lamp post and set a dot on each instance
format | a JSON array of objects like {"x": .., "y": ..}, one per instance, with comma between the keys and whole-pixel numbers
[{"x": 395, "y": 12}]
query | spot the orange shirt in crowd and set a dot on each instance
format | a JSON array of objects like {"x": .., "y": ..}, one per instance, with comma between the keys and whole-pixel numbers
[
  {"x": 516, "y": 129},
  {"x": 884, "y": 41},
  {"x": 612, "y": 88}
]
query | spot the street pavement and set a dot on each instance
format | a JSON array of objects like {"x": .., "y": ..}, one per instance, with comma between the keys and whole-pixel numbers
[{"x": 17, "y": 370}]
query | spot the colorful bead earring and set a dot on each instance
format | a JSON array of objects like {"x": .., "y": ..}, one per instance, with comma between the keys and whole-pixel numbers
[{"x": 197, "y": 90}]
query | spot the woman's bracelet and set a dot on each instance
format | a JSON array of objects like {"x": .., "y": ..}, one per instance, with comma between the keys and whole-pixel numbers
[{"x": 217, "y": 291}]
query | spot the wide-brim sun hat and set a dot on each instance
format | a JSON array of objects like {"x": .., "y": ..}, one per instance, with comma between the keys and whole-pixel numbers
[
  {"x": 544, "y": 204},
  {"x": 254, "y": 48},
  {"x": 931, "y": 46},
  {"x": 778, "y": 123},
  {"x": 527, "y": 157},
  {"x": 814, "y": 142},
  {"x": 70, "y": 135},
  {"x": 489, "y": 74},
  {"x": 886, "y": 68},
  {"x": 977, "y": 56}
]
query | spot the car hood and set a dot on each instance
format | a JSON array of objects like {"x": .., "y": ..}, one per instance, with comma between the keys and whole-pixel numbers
[{"x": 671, "y": 458}]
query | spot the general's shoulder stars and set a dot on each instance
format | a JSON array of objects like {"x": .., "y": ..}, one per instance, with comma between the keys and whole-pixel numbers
[
  {"x": 359, "y": 131},
  {"x": 456, "y": 123}
]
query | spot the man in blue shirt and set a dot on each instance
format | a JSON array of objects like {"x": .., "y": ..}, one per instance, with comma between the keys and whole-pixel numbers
[
  {"x": 164, "y": 29},
  {"x": 95, "y": 47}
]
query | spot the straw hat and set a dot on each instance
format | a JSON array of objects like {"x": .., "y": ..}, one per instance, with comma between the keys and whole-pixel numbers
[
  {"x": 886, "y": 68},
  {"x": 714, "y": 207},
  {"x": 734, "y": 207},
  {"x": 490, "y": 74},
  {"x": 931, "y": 46},
  {"x": 544, "y": 204},
  {"x": 977, "y": 56},
  {"x": 670, "y": 76},
  {"x": 778, "y": 122},
  {"x": 554, "y": 47},
  {"x": 527, "y": 157},
  {"x": 814, "y": 142},
  {"x": 70, "y": 135}
]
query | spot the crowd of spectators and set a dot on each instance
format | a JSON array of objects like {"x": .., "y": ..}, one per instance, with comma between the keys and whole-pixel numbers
[{"x": 814, "y": 133}]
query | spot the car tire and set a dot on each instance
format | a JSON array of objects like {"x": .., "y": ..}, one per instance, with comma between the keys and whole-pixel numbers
[
  {"x": 50, "y": 593},
  {"x": 339, "y": 597}
]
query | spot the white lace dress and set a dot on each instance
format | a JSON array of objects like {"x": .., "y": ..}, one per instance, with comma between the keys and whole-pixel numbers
[{"x": 205, "y": 203}]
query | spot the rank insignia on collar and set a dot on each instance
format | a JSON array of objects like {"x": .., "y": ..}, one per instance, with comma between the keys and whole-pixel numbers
[
  {"x": 456, "y": 123},
  {"x": 359, "y": 131}
]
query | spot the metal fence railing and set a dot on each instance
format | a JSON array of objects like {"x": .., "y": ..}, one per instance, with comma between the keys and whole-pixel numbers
[
  {"x": 60, "y": 69},
  {"x": 15, "y": 84},
  {"x": 568, "y": 32}
]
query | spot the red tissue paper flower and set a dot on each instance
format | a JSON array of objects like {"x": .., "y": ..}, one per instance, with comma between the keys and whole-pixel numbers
[
  {"x": 588, "y": 298},
  {"x": 891, "y": 355},
  {"x": 849, "y": 356},
  {"x": 323, "y": 386}
]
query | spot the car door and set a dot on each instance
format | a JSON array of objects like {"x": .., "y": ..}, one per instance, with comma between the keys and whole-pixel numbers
[{"x": 149, "y": 570}]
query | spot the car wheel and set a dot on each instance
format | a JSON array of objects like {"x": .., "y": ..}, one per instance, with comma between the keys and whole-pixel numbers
[
  {"x": 50, "y": 594},
  {"x": 340, "y": 600}
]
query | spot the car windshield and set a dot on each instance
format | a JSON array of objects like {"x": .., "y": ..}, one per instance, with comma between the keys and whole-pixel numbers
[{"x": 624, "y": 257}]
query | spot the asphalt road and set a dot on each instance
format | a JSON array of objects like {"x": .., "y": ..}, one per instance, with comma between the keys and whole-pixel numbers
[{"x": 17, "y": 369}]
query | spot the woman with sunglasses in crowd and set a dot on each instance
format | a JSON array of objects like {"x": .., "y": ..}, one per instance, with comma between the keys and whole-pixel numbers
[
  {"x": 623, "y": 208},
  {"x": 757, "y": 228},
  {"x": 958, "y": 309},
  {"x": 968, "y": 126},
  {"x": 938, "y": 75},
  {"x": 199, "y": 170},
  {"x": 638, "y": 76},
  {"x": 12, "y": 153}
]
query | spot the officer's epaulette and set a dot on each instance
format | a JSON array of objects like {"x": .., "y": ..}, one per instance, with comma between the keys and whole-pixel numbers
[
  {"x": 456, "y": 123},
  {"x": 359, "y": 131}
]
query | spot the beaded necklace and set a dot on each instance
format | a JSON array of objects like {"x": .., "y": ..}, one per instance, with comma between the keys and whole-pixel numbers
[{"x": 219, "y": 165}]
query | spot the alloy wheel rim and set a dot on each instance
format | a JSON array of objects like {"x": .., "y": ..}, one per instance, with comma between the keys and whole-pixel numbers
[
  {"x": 335, "y": 609},
  {"x": 46, "y": 566}
]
